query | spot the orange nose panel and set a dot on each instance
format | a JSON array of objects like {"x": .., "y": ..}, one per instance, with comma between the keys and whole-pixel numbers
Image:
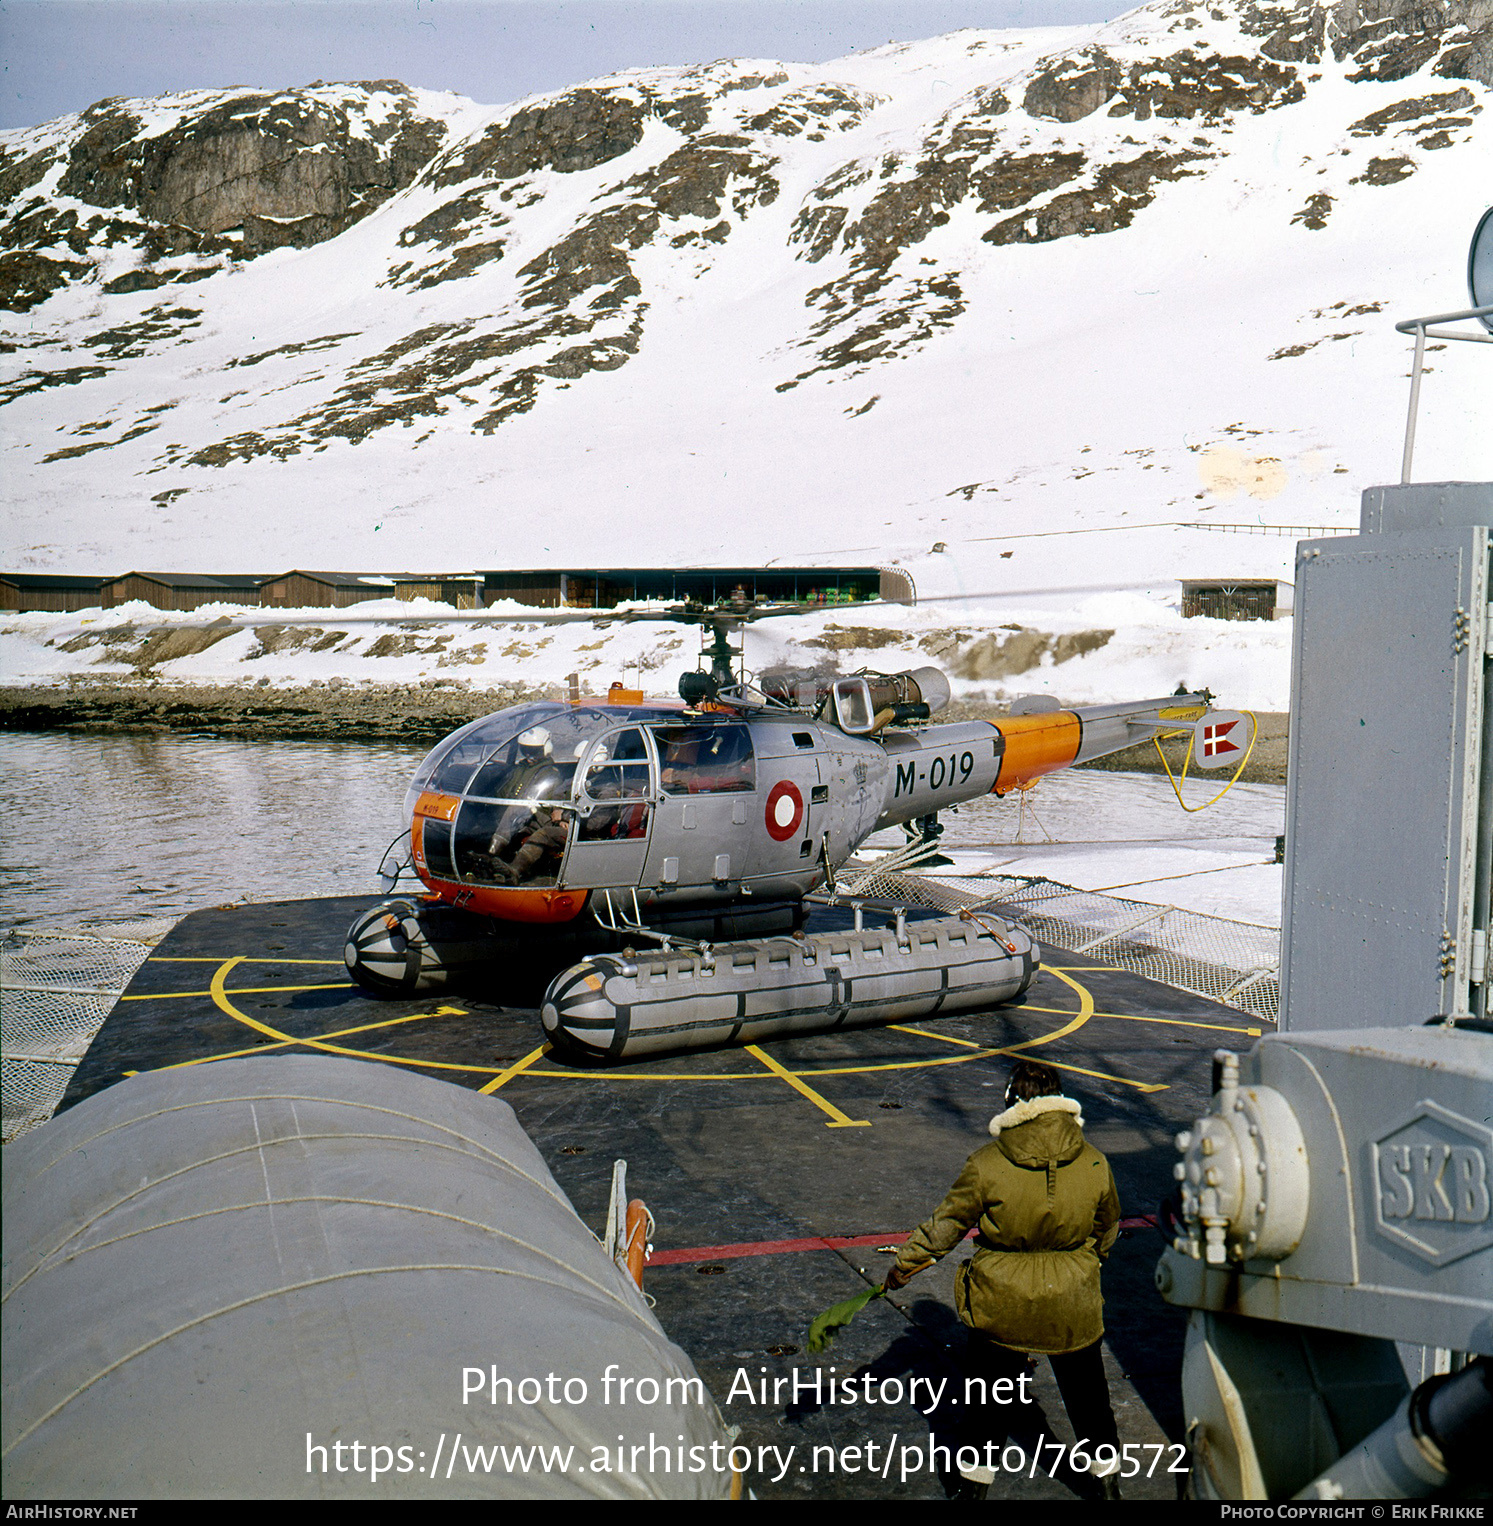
[
  {"x": 441, "y": 807},
  {"x": 508, "y": 905},
  {"x": 1036, "y": 745}
]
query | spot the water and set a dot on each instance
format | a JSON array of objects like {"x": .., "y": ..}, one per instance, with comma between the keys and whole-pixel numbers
[{"x": 106, "y": 830}]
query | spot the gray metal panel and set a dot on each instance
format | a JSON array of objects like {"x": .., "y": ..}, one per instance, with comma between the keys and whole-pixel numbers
[
  {"x": 1399, "y": 1237},
  {"x": 1426, "y": 506},
  {"x": 210, "y": 1270},
  {"x": 1397, "y": 1089},
  {"x": 1381, "y": 807}
]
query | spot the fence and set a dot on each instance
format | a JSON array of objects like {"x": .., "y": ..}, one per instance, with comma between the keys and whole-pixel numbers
[{"x": 56, "y": 989}]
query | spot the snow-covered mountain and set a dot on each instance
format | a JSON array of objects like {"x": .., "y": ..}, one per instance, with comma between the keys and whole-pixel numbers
[{"x": 1009, "y": 294}]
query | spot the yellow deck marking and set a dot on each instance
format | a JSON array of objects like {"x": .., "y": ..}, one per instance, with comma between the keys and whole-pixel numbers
[
  {"x": 336, "y": 985},
  {"x": 1172, "y": 1022},
  {"x": 340, "y": 1033},
  {"x": 947, "y": 1038},
  {"x": 838, "y": 1120},
  {"x": 513, "y": 1070},
  {"x": 220, "y": 999},
  {"x": 237, "y": 959},
  {"x": 221, "y": 994},
  {"x": 1101, "y": 1075},
  {"x": 1085, "y": 1012}
]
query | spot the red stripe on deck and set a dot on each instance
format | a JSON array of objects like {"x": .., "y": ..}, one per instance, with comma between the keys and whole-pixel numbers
[{"x": 818, "y": 1242}]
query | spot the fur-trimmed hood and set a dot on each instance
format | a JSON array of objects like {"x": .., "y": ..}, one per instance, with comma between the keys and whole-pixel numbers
[
  {"x": 1024, "y": 1112},
  {"x": 1044, "y": 1132}
]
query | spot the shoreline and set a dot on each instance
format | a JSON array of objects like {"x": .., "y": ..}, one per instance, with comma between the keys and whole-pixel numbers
[{"x": 421, "y": 713}]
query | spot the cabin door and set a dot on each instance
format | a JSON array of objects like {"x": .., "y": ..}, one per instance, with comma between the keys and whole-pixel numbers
[{"x": 614, "y": 812}]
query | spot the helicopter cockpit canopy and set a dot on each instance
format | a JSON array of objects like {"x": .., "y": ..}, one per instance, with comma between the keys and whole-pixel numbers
[{"x": 524, "y": 777}]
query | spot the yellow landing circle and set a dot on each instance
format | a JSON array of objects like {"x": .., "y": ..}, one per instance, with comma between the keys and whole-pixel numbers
[{"x": 800, "y": 1080}]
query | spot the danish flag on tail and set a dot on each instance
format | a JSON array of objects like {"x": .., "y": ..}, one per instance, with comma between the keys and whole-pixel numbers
[{"x": 1220, "y": 738}]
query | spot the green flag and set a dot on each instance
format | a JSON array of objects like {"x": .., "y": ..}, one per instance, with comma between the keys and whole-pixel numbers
[{"x": 825, "y": 1327}]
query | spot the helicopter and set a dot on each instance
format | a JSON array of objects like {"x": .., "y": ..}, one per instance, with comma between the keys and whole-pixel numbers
[{"x": 603, "y": 821}]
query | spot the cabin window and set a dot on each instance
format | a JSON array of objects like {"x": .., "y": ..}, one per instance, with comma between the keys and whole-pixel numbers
[
  {"x": 449, "y": 766},
  {"x": 436, "y": 843},
  {"x": 510, "y": 845},
  {"x": 525, "y": 768},
  {"x": 616, "y": 771},
  {"x": 451, "y": 773},
  {"x": 706, "y": 760},
  {"x": 617, "y": 768}
]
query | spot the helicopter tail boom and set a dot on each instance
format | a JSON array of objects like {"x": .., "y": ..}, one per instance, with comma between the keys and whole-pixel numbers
[
  {"x": 935, "y": 767},
  {"x": 1044, "y": 741}
]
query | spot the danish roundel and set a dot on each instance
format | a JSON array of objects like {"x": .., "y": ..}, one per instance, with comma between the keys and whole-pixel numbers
[{"x": 785, "y": 810}]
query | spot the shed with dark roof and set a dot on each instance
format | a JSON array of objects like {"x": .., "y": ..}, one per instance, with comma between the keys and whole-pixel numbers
[
  {"x": 299, "y": 589},
  {"x": 182, "y": 590},
  {"x": 48, "y": 590}
]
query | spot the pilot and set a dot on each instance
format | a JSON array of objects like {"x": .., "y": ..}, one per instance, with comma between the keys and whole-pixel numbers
[
  {"x": 1044, "y": 1205},
  {"x": 680, "y": 760},
  {"x": 544, "y": 830}
]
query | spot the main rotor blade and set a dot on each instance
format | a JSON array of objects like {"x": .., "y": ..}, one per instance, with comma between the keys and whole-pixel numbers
[{"x": 679, "y": 614}]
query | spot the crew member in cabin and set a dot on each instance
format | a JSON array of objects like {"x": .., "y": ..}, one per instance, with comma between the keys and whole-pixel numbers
[
  {"x": 541, "y": 833},
  {"x": 1043, "y": 1203}
]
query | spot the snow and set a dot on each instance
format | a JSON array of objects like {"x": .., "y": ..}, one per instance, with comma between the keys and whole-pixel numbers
[
  {"x": 1107, "y": 415},
  {"x": 1090, "y": 382},
  {"x": 1247, "y": 664}
]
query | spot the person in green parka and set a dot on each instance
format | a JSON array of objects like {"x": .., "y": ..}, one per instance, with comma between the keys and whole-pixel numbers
[{"x": 1044, "y": 1207}]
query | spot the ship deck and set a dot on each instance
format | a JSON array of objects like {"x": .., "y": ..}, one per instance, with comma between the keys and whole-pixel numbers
[{"x": 777, "y": 1174}]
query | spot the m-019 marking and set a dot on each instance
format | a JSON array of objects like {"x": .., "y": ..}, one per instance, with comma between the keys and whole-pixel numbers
[
  {"x": 937, "y": 768},
  {"x": 957, "y": 771}
]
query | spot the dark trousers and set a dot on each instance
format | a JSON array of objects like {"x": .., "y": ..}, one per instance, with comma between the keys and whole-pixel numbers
[{"x": 1080, "y": 1378}]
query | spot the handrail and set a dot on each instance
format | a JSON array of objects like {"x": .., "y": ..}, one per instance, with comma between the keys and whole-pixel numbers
[
  {"x": 1411, "y": 324},
  {"x": 1420, "y": 327}
]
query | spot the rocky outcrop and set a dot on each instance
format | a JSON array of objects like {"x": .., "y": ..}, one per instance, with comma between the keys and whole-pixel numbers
[
  {"x": 27, "y": 278},
  {"x": 530, "y": 251},
  {"x": 1391, "y": 39},
  {"x": 581, "y": 130},
  {"x": 206, "y": 186},
  {"x": 283, "y": 169},
  {"x": 1006, "y": 656},
  {"x": 1073, "y": 88}
]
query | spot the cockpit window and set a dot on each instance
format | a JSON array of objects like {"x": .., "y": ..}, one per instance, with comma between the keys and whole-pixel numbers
[
  {"x": 705, "y": 760},
  {"x": 524, "y": 769},
  {"x": 529, "y": 753},
  {"x": 517, "y": 771},
  {"x": 616, "y": 771},
  {"x": 508, "y": 844},
  {"x": 617, "y": 768},
  {"x": 449, "y": 766},
  {"x": 450, "y": 775}
]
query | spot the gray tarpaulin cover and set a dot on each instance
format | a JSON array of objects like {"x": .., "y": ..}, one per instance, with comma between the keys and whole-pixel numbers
[{"x": 203, "y": 1265}]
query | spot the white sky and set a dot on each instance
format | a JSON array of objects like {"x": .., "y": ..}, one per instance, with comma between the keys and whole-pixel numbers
[{"x": 58, "y": 56}]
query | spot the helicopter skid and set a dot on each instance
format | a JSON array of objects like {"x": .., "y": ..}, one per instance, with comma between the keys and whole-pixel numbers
[{"x": 637, "y": 1006}]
